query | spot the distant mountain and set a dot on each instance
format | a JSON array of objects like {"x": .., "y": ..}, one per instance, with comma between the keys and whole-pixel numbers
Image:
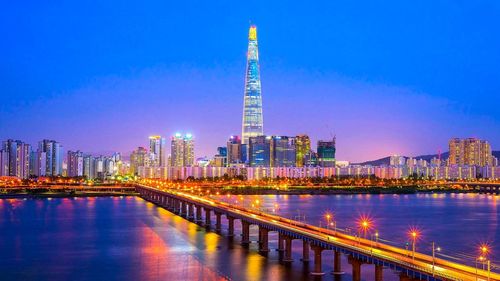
[{"x": 387, "y": 160}]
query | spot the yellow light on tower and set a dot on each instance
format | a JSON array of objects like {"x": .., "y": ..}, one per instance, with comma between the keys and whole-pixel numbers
[{"x": 252, "y": 34}]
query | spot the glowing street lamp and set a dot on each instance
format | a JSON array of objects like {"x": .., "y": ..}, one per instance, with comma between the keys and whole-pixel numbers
[
  {"x": 328, "y": 216},
  {"x": 414, "y": 235}
]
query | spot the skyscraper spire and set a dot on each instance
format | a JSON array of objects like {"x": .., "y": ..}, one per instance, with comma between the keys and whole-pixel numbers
[{"x": 252, "y": 124}]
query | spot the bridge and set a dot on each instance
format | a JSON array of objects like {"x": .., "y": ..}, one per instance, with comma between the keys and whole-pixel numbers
[{"x": 409, "y": 265}]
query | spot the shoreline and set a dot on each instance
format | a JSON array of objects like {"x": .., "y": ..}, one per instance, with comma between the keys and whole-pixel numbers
[
  {"x": 24, "y": 195},
  {"x": 253, "y": 191}
]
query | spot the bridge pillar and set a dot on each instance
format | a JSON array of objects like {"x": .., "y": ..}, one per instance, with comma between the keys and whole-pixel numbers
[
  {"x": 317, "y": 260},
  {"x": 230, "y": 229},
  {"x": 288, "y": 249},
  {"x": 177, "y": 209},
  {"x": 281, "y": 248},
  {"x": 184, "y": 209},
  {"x": 356, "y": 268},
  {"x": 245, "y": 236},
  {"x": 191, "y": 211},
  {"x": 199, "y": 219},
  {"x": 263, "y": 240},
  {"x": 337, "y": 263},
  {"x": 207, "y": 217},
  {"x": 305, "y": 250},
  {"x": 379, "y": 272},
  {"x": 218, "y": 224}
]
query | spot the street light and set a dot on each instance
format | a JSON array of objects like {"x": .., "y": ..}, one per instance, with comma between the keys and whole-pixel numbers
[
  {"x": 328, "y": 217},
  {"x": 414, "y": 235},
  {"x": 434, "y": 249}
]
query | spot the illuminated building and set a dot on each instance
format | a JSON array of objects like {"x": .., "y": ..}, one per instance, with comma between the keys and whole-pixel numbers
[
  {"x": 283, "y": 152},
  {"x": 89, "y": 167},
  {"x": 4, "y": 163},
  {"x": 252, "y": 124},
  {"x": 470, "y": 152},
  {"x": 259, "y": 150},
  {"x": 137, "y": 159},
  {"x": 75, "y": 164},
  {"x": 326, "y": 153},
  {"x": 302, "y": 147},
  {"x": 16, "y": 159},
  {"x": 234, "y": 150},
  {"x": 220, "y": 159},
  {"x": 182, "y": 150},
  {"x": 157, "y": 150},
  {"x": 53, "y": 157}
]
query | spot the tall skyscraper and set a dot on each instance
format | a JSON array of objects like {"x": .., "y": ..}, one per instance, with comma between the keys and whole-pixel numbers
[
  {"x": 182, "y": 150},
  {"x": 470, "y": 151},
  {"x": 326, "y": 153},
  {"x": 157, "y": 150},
  {"x": 252, "y": 124},
  {"x": 302, "y": 146}
]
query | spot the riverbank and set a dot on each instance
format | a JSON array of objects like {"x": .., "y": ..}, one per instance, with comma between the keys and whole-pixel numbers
[
  {"x": 298, "y": 190},
  {"x": 43, "y": 195}
]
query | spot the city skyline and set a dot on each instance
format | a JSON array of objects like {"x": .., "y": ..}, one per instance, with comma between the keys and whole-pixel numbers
[{"x": 404, "y": 95}]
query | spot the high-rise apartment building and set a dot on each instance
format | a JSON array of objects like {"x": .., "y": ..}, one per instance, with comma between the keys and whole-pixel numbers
[
  {"x": 470, "y": 151},
  {"x": 302, "y": 147},
  {"x": 157, "y": 150},
  {"x": 16, "y": 159},
  {"x": 326, "y": 153},
  {"x": 252, "y": 124},
  {"x": 137, "y": 159},
  {"x": 54, "y": 156},
  {"x": 182, "y": 150},
  {"x": 75, "y": 163}
]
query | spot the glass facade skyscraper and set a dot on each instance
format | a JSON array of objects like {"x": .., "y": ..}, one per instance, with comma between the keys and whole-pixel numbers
[{"x": 252, "y": 124}]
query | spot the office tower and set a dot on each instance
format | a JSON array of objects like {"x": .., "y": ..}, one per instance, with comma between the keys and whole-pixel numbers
[
  {"x": 259, "y": 151},
  {"x": 17, "y": 158},
  {"x": 302, "y": 146},
  {"x": 220, "y": 159},
  {"x": 470, "y": 151},
  {"x": 252, "y": 124},
  {"x": 311, "y": 159},
  {"x": 54, "y": 155},
  {"x": 137, "y": 159},
  {"x": 326, "y": 153},
  {"x": 75, "y": 163},
  {"x": 283, "y": 152},
  {"x": 182, "y": 150},
  {"x": 157, "y": 149},
  {"x": 234, "y": 151}
]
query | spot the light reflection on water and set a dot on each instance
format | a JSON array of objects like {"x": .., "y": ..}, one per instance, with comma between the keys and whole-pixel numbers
[{"x": 131, "y": 239}]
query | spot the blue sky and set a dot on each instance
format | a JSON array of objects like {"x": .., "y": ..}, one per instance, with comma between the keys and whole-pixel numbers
[{"x": 393, "y": 77}]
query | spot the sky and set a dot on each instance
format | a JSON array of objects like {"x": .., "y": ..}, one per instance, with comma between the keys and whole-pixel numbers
[{"x": 391, "y": 77}]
